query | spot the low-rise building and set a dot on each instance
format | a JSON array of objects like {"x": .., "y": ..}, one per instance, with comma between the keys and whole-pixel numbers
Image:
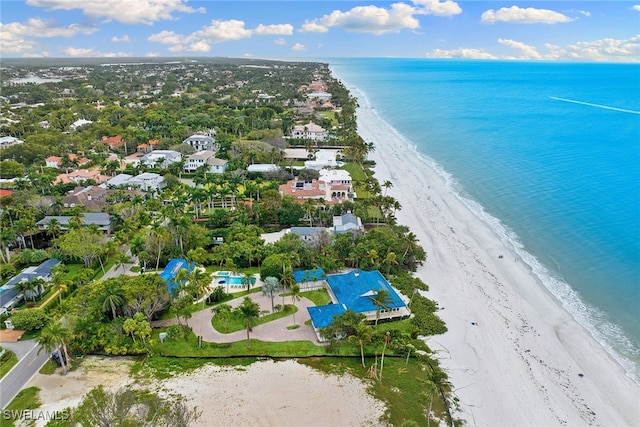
[
  {"x": 9, "y": 141},
  {"x": 160, "y": 158},
  {"x": 310, "y": 131},
  {"x": 206, "y": 157},
  {"x": 202, "y": 142},
  {"x": 147, "y": 181},
  {"x": 356, "y": 291},
  {"x": 10, "y": 297},
  {"x": 114, "y": 142},
  {"x": 262, "y": 168},
  {"x": 56, "y": 162},
  {"x": 100, "y": 219},
  {"x": 81, "y": 176},
  {"x": 346, "y": 223}
]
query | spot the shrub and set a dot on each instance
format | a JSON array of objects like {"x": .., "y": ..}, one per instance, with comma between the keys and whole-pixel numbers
[{"x": 30, "y": 319}]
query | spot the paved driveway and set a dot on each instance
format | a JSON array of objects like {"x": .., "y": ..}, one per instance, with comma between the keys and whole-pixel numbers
[{"x": 275, "y": 331}]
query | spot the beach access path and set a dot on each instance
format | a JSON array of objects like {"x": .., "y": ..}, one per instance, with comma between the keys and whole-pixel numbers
[{"x": 274, "y": 331}]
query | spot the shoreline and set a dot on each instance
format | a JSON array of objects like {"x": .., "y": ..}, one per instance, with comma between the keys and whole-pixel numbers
[{"x": 514, "y": 355}]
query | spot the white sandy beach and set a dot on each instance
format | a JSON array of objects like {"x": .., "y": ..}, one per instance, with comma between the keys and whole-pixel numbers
[
  {"x": 265, "y": 393},
  {"x": 520, "y": 364}
]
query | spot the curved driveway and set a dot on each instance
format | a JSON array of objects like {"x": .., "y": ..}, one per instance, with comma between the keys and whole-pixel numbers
[{"x": 274, "y": 331}]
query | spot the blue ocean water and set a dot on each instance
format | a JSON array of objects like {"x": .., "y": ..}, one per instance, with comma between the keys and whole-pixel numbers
[{"x": 551, "y": 150}]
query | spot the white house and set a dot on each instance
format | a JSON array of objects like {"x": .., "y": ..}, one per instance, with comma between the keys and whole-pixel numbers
[
  {"x": 207, "y": 157},
  {"x": 335, "y": 176},
  {"x": 79, "y": 123},
  {"x": 144, "y": 181},
  {"x": 322, "y": 96},
  {"x": 323, "y": 159},
  {"x": 160, "y": 158},
  {"x": 202, "y": 142},
  {"x": 147, "y": 181},
  {"x": 8, "y": 141},
  {"x": 262, "y": 167},
  {"x": 310, "y": 131}
]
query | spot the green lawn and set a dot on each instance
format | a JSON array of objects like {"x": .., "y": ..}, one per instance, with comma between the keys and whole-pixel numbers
[
  {"x": 8, "y": 361},
  {"x": 400, "y": 388},
  {"x": 236, "y": 323},
  {"x": 356, "y": 172},
  {"x": 318, "y": 297},
  {"x": 26, "y": 399}
]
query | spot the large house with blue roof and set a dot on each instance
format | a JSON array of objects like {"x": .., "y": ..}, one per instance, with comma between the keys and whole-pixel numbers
[
  {"x": 355, "y": 291},
  {"x": 171, "y": 271}
]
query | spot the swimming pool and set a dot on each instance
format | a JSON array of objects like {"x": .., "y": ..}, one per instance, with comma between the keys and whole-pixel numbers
[{"x": 228, "y": 277}]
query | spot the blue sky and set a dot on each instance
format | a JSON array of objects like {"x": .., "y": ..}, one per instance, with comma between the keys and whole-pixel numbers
[{"x": 300, "y": 29}]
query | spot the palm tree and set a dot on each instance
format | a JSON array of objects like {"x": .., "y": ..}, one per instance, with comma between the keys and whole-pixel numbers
[
  {"x": 53, "y": 227},
  {"x": 428, "y": 390},
  {"x": 121, "y": 260},
  {"x": 389, "y": 259},
  {"x": 27, "y": 289},
  {"x": 363, "y": 333},
  {"x": 112, "y": 299},
  {"x": 295, "y": 296},
  {"x": 246, "y": 281},
  {"x": 224, "y": 311},
  {"x": 270, "y": 286},
  {"x": 200, "y": 281},
  {"x": 380, "y": 299},
  {"x": 387, "y": 185},
  {"x": 387, "y": 338},
  {"x": 287, "y": 279},
  {"x": 248, "y": 310},
  {"x": 52, "y": 336}
]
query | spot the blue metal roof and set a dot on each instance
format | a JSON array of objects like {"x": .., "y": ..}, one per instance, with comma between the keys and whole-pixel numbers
[
  {"x": 353, "y": 291},
  {"x": 171, "y": 270},
  {"x": 322, "y": 316},
  {"x": 356, "y": 288},
  {"x": 312, "y": 275}
]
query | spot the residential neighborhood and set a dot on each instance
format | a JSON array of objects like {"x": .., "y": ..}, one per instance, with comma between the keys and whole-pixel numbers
[{"x": 189, "y": 187}]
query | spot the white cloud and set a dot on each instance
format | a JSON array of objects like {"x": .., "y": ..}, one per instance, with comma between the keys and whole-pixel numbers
[
  {"x": 528, "y": 52},
  {"x": 222, "y": 31},
  {"x": 636, "y": 7},
  {"x": 124, "y": 11},
  {"x": 75, "y": 51},
  {"x": 517, "y": 15},
  {"x": 274, "y": 30},
  {"x": 13, "y": 43},
  {"x": 151, "y": 54},
  {"x": 437, "y": 7},
  {"x": 465, "y": 53},
  {"x": 216, "y": 32},
  {"x": 280, "y": 41},
  {"x": 603, "y": 50},
  {"x": 378, "y": 20},
  {"x": 90, "y": 52},
  {"x": 372, "y": 19},
  {"x": 298, "y": 47},
  {"x": 313, "y": 27},
  {"x": 39, "y": 28},
  {"x": 124, "y": 39},
  {"x": 15, "y": 37}
]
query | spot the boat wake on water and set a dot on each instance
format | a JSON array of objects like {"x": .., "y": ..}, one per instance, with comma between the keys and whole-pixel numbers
[{"x": 606, "y": 107}]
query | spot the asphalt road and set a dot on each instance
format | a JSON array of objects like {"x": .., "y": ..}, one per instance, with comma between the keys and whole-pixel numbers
[{"x": 22, "y": 372}]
